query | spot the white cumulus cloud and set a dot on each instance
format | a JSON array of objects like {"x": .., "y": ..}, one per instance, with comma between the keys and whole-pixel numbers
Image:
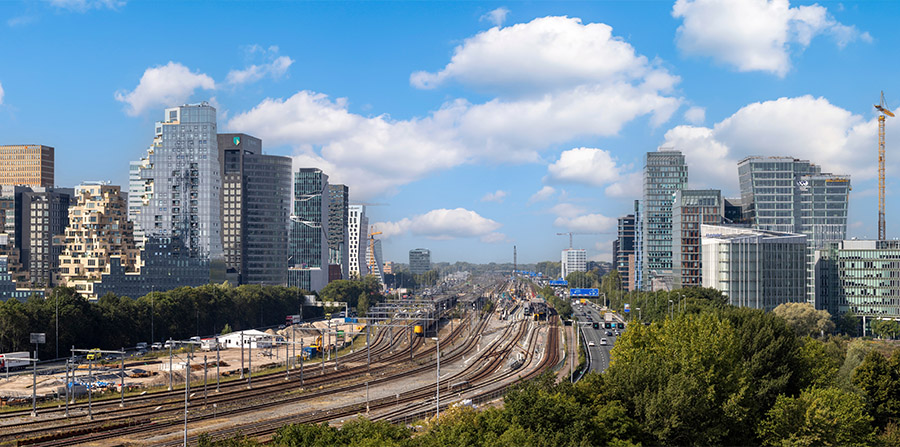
[
  {"x": 497, "y": 16},
  {"x": 545, "y": 54},
  {"x": 496, "y": 196},
  {"x": 802, "y": 127},
  {"x": 275, "y": 68},
  {"x": 1, "y": 93},
  {"x": 585, "y": 165},
  {"x": 442, "y": 224},
  {"x": 164, "y": 86},
  {"x": 588, "y": 223},
  {"x": 755, "y": 35},
  {"x": 695, "y": 115},
  {"x": 543, "y": 194}
]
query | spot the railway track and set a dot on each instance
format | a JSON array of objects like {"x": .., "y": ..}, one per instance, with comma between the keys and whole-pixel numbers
[{"x": 235, "y": 402}]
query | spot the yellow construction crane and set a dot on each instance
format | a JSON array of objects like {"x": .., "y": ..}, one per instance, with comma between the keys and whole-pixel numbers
[{"x": 884, "y": 112}]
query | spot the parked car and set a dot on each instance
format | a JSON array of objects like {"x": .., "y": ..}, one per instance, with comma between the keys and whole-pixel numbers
[{"x": 156, "y": 345}]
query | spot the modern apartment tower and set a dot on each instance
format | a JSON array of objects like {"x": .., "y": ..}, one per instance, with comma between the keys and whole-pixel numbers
[
  {"x": 358, "y": 233},
  {"x": 692, "y": 208},
  {"x": 374, "y": 259},
  {"x": 179, "y": 184},
  {"x": 790, "y": 195},
  {"x": 859, "y": 276},
  {"x": 41, "y": 215},
  {"x": 419, "y": 261},
  {"x": 98, "y": 230},
  {"x": 623, "y": 251},
  {"x": 665, "y": 172},
  {"x": 255, "y": 206},
  {"x": 573, "y": 260},
  {"x": 338, "y": 231},
  {"x": 308, "y": 241},
  {"x": 754, "y": 268},
  {"x": 26, "y": 165}
]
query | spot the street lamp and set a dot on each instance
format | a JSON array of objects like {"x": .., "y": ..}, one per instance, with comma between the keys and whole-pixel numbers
[
  {"x": 671, "y": 309},
  {"x": 640, "y": 317}
]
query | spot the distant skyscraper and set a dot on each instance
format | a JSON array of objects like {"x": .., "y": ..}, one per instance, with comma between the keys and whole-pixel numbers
[
  {"x": 42, "y": 214},
  {"x": 256, "y": 200},
  {"x": 754, "y": 268},
  {"x": 623, "y": 252},
  {"x": 790, "y": 195},
  {"x": 26, "y": 165},
  {"x": 374, "y": 259},
  {"x": 358, "y": 231},
  {"x": 308, "y": 245},
  {"x": 98, "y": 229},
  {"x": 692, "y": 208},
  {"x": 9, "y": 247},
  {"x": 573, "y": 260},
  {"x": 338, "y": 232},
  {"x": 665, "y": 172},
  {"x": 180, "y": 184},
  {"x": 637, "y": 283},
  {"x": 419, "y": 261}
]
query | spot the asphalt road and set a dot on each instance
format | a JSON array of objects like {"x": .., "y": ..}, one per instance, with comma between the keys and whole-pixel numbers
[{"x": 599, "y": 354}]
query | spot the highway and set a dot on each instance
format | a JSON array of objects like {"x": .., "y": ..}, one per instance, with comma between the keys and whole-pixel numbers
[{"x": 598, "y": 354}]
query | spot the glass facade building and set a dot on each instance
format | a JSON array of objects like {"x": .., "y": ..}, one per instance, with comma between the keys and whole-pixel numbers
[
  {"x": 665, "y": 172},
  {"x": 790, "y": 195},
  {"x": 623, "y": 251},
  {"x": 692, "y": 208},
  {"x": 308, "y": 241},
  {"x": 179, "y": 184},
  {"x": 754, "y": 268},
  {"x": 255, "y": 205},
  {"x": 338, "y": 232},
  {"x": 419, "y": 261},
  {"x": 859, "y": 276}
]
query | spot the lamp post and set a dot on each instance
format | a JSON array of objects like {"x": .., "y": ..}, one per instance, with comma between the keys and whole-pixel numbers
[{"x": 671, "y": 308}]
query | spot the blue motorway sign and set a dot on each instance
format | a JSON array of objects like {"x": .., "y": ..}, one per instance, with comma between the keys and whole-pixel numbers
[
  {"x": 559, "y": 282},
  {"x": 584, "y": 292}
]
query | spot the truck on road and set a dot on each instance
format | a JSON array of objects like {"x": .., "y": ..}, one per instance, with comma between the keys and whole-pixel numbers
[{"x": 14, "y": 360}]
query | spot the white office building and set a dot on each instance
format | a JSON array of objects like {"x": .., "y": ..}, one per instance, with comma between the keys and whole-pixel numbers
[
  {"x": 573, "y": 260},
  {"x": 357, "y": 228}
]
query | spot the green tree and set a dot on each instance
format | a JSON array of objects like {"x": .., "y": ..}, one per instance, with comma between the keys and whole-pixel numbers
[
  {"x": 819, "y": 416},
  {"x": 886, "y": 328},
  {"x": 848, "y": 323},
  {"x": 879, "y": 379},
  {"x": 805, "y": 319},
  {"x": 226, "y": 329},
  {"x": 582, "y": 280}
]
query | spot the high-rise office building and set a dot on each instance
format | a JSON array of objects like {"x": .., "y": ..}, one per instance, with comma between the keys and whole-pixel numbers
[
  {"x": 26, "y": 165},
  {"x": 42, "y": 214},
  {"x": 623, "y": 251},
  {"x": 734, "y": 213},
  {"x": 8, "y": 246},
  {"x": 179, "y": 184},
  {"x": 419, "y": 261},
  {"x": 790, "y": 195},
  {"x": 358, "y": 231},
  {"x": 255, "y": 204},
  {"x": 859, "y": 276},
  {"x": 338, "y": 231},
  {"x": 98, "y": 229},
  {"x": 374, "y": 259},
  {"x": 9, "y": 288},
  {"x": 308, "y": 244},
  {"x": 573, "y": 260},
  {"x": 754, "y": 268},
  {"x": 637, "y": 268},
  {"x": 690, "y": 209},
  {"x": 665, "y": 172}
]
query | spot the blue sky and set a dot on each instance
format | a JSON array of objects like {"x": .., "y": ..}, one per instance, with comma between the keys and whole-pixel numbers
[{"x": 479, "y": 125}]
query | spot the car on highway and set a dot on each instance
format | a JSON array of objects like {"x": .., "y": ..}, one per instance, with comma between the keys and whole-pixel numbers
[
  {"x": 590, "y": 343},
  {"x": 609, "y": 333},
  {"x": 618, "y": 333},
  {"x": 603, "y": 342}
]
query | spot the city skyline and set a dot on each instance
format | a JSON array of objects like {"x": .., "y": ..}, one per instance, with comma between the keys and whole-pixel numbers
[{"x": 474, "y": 142}]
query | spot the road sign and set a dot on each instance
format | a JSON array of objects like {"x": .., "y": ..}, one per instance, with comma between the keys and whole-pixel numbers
[
  {"x": 38, "y": 338},
  {"x": 584, "y": 292},
  {"x": 627, "y": 308},
  {"x": 559, "y": 282}
]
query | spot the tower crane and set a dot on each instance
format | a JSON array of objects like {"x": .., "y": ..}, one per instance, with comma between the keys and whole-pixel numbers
[
  {"x": 884, "y": 112},
  {"x": 570, "y": 233}
]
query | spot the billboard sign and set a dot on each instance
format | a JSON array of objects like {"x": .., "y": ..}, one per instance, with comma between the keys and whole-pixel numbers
[
  {"x": 559, "y": 282},
  {"x": 584, "y": 292}
]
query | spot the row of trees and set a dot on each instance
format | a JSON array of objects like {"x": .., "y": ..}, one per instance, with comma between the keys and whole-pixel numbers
[
  {"x": 114, "y": 322},
  {"x": 713, "y": 375}
]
